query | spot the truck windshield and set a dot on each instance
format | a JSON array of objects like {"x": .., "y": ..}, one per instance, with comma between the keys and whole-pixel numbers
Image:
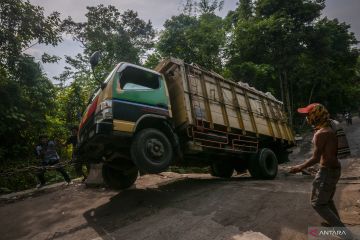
[{"x": 137, "y": 79}]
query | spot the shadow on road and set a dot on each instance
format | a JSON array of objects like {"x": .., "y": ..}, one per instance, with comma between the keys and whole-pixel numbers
[{"x": 243, "y": 203}]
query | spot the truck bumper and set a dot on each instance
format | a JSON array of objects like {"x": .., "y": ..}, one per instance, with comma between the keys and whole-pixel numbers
[
  {"x": 102, "y": 128},
  {"x": 97, "y": 140}
]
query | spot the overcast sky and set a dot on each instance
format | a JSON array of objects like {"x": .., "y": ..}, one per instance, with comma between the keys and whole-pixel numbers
[{"x": 157, "y": 11}]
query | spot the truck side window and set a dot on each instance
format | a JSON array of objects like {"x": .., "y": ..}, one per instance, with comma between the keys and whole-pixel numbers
[{"x": 136, "y": 79}]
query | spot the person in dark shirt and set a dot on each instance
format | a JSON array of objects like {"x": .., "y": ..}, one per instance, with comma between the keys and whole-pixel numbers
[
  {"x": 46, "y": 152},
  {"x": 78, "y": 165}
]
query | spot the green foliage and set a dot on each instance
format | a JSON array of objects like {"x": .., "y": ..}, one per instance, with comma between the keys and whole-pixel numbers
[
  {"x": 174, "y": 40},
  {"x": 119, "y": 37},
  {"x": 152, "y": 60},
  {"x": 27, "y": 95},
  {"x": 25, "y": 180},
  {"x": 22, "y": 25},
  {"x": 46, "y": 58},
  {"x": 27, "y": 98},
  {"x": 194, "y": 39},
  {"x": 71, "y": 103},
  {"x": 328, "y": 67},
  {"x": 244, "y": 11},
  {"x": 206, "y": 6},
  {"x": 202, "y": 6},
  {"x": 284, "y": 47},
  {"x": 306, "y": 58},
  {"x": 260, "y": 75}
]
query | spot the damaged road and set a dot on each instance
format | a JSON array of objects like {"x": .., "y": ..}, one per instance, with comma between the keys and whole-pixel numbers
[{"x": 186, "y": 206}]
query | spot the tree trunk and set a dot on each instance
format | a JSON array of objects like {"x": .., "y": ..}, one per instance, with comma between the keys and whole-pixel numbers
[
  {"x": 281, "y": 88},
  {"x": 291, "y": 95},
  {"x": 287, "y": 102},
  {"x": 311, "y": 93}
]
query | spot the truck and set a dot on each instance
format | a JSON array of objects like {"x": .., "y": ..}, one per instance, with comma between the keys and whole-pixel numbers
[{"x": 180, "y": 114}]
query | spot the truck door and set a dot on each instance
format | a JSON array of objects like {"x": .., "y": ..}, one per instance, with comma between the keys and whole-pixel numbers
[{"x": 137, "y": 92}]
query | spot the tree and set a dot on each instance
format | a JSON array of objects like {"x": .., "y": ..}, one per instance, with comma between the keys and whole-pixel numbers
[
  {"x": 328, "y": 66},
  {"x": 245, "y": 11},
  {"x": 202, "y": 6},
  {"x": 71, "y": 103},
  {"x": 174, "y": 40},
  {"x": 209, "y": 7},
  {"x": 119, "y": 36},
  {"x": 287, "y": 37},
  {"x": 26, "y": 101},
  {"x": 26, "y": 93},
  {"x": 23, "y": 25},
  {"x": 197, "y": 39},
  {"x": 152, "y": 60}
]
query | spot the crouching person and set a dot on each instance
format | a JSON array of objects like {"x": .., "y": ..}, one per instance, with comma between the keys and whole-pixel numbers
[{"x": 46, "y": 153}]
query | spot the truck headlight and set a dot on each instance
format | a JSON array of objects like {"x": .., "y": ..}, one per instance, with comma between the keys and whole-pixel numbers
[
  {"x": 105, "y": 111},
  {"x": 104, "y": 115},
  {"x": 105, "y": 104}
]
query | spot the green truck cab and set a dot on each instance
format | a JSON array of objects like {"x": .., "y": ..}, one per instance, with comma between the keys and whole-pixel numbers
[
  {"x": 146, "y": 120},
  {"x": 132, "y": 98}
]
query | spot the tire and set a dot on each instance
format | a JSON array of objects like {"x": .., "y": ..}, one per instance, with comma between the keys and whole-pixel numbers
[
  {"x": 222, "y": 169},
  {"x": 264, "y": 164},
  {"x": 151, "y": 151},
  {"x": 119, "y": 179}
]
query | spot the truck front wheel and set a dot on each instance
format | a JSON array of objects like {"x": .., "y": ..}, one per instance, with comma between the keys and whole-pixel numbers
[
  {"x": 151, "y": 151},
  {"x": 119, "y": 179},
  {"x": 264, "y": 164}
]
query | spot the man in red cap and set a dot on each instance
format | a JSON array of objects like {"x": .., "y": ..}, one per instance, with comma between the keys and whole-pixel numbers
[{"x": 325, "y": 153}]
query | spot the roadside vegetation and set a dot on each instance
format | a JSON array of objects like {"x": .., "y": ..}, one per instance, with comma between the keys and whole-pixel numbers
[{"x": 284, "y": 47}]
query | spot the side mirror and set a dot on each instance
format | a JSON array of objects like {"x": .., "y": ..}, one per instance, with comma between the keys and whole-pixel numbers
[{"x": 95, "y": 59}]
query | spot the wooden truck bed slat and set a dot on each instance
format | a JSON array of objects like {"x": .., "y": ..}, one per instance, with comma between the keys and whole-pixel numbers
[{"x": 209, "y": 104}]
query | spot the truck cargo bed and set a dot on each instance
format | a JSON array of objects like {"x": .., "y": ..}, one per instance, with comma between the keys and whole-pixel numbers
[{"x": 219, "y": 113}]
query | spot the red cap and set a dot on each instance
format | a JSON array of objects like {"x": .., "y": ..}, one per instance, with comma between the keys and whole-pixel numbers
[{"x": 308, "y": 108}]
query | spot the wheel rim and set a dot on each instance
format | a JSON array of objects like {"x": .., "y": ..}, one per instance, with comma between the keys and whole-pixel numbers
[{"x": 154, "y": 148}]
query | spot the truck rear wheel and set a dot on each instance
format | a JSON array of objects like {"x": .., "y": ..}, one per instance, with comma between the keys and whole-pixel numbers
[
  {"x": 151, "y": 151},
  {"x": 119, "y": 179},
  {"x": 222, "y": 169},
  {"x": 264, "y": 164}
]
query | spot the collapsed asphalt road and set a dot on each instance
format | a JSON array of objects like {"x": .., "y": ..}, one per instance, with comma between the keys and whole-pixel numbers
[{"x": 190, "y": 206}]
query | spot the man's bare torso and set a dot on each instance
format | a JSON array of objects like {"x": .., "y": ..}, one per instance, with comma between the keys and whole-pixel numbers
[{"x": 326, "y": 140}]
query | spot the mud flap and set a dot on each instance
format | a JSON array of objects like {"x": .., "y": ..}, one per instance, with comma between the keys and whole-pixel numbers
[{"x": 95, "y": 178}]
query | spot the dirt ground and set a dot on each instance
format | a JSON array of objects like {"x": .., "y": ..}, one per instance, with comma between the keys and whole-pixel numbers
[{"x": 186, "y": 206}]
